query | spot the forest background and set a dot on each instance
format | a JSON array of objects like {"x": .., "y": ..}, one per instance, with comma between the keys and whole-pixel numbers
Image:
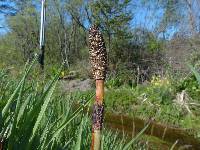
[{"x": 144, "y": 35}]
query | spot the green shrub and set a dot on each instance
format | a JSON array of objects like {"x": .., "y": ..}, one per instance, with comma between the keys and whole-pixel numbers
[
  {"x": 121, "y": 77},
  {"x": 191, "y": 84}
]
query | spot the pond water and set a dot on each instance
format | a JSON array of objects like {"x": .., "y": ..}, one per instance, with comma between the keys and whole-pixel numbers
[{"x": 158, "y": 134}]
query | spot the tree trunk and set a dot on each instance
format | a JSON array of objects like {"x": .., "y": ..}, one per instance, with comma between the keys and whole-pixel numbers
[{"x": 191, "y": 17}]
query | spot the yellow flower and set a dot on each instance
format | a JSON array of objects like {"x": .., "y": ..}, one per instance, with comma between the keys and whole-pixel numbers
[
  {"x": 158, "y": 81},
  {"x": 62, "y": 74}
]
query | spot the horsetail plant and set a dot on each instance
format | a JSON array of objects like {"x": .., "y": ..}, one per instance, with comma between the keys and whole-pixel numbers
[{"x": 98, "y": 61}]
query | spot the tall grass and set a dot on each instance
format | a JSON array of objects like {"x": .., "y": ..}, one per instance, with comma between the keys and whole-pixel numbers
[
  {"x": 195, "y": 72},
  {"x": 34, "y": 117}
]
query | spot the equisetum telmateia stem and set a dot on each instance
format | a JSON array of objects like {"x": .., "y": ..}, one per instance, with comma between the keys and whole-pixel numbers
[{"x": 98, "y": 61}]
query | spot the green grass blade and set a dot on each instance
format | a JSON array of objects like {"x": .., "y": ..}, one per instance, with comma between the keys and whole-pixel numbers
[
  {"x": 136, "y": 137},
  {"x": 13, "y": 129},
  {"x": 15, "y": 93},
  {"x": 23, "y": 107},
  {"x": 11, "y": 99},
  {"x": 102, "y": 143},
  {"x": 78, "y": 142},
  {"x": 43, "y": 109},
  {"x": 62, "y": 126},
  {"x": 19, "y": 99},
  {"x": 197, "y": 75}
]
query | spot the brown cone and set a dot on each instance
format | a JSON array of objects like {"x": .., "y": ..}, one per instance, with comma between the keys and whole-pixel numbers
[{"x": 98, "y": 54}]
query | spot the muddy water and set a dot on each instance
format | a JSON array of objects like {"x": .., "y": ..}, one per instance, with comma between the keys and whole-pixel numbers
[
  {"x": 161, "y": 135},
  {"x": 131, "y": 126}
]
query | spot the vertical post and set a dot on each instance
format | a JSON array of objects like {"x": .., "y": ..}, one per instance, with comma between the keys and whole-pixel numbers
[
  {"x": 98, "y": 60},
  {"x": 42, "y": 35}
]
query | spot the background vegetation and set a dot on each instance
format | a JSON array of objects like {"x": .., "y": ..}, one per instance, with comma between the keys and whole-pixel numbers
[{"x": 154, "y": 57}]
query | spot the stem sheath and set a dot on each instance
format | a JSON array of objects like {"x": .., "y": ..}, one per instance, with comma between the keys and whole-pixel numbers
[{"x": 97, "y": 116}]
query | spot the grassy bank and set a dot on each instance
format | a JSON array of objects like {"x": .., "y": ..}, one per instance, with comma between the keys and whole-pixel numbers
[{"x": 174, "y": 102}]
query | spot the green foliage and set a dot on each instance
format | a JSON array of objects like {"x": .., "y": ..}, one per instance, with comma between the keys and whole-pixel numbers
[
  {"x": 66, "y": 33},
  {"x": 37, "y": 117},
  {"x": 114, "y": 82},
  {"x": 4, "y": 85},
  {"x": 191, "y": 84},
  {"x": 27, "y": 122},
  {"x": 111, "y": 15},
  {"x": 120, "y": 77},
  {"x": 154, "y": 45},
  {"x": 25, "y": 32},
  {"x": 196, "y": 73},
  {"x": 114, "y": 19},
  {"x": 154, "y": 100}
]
